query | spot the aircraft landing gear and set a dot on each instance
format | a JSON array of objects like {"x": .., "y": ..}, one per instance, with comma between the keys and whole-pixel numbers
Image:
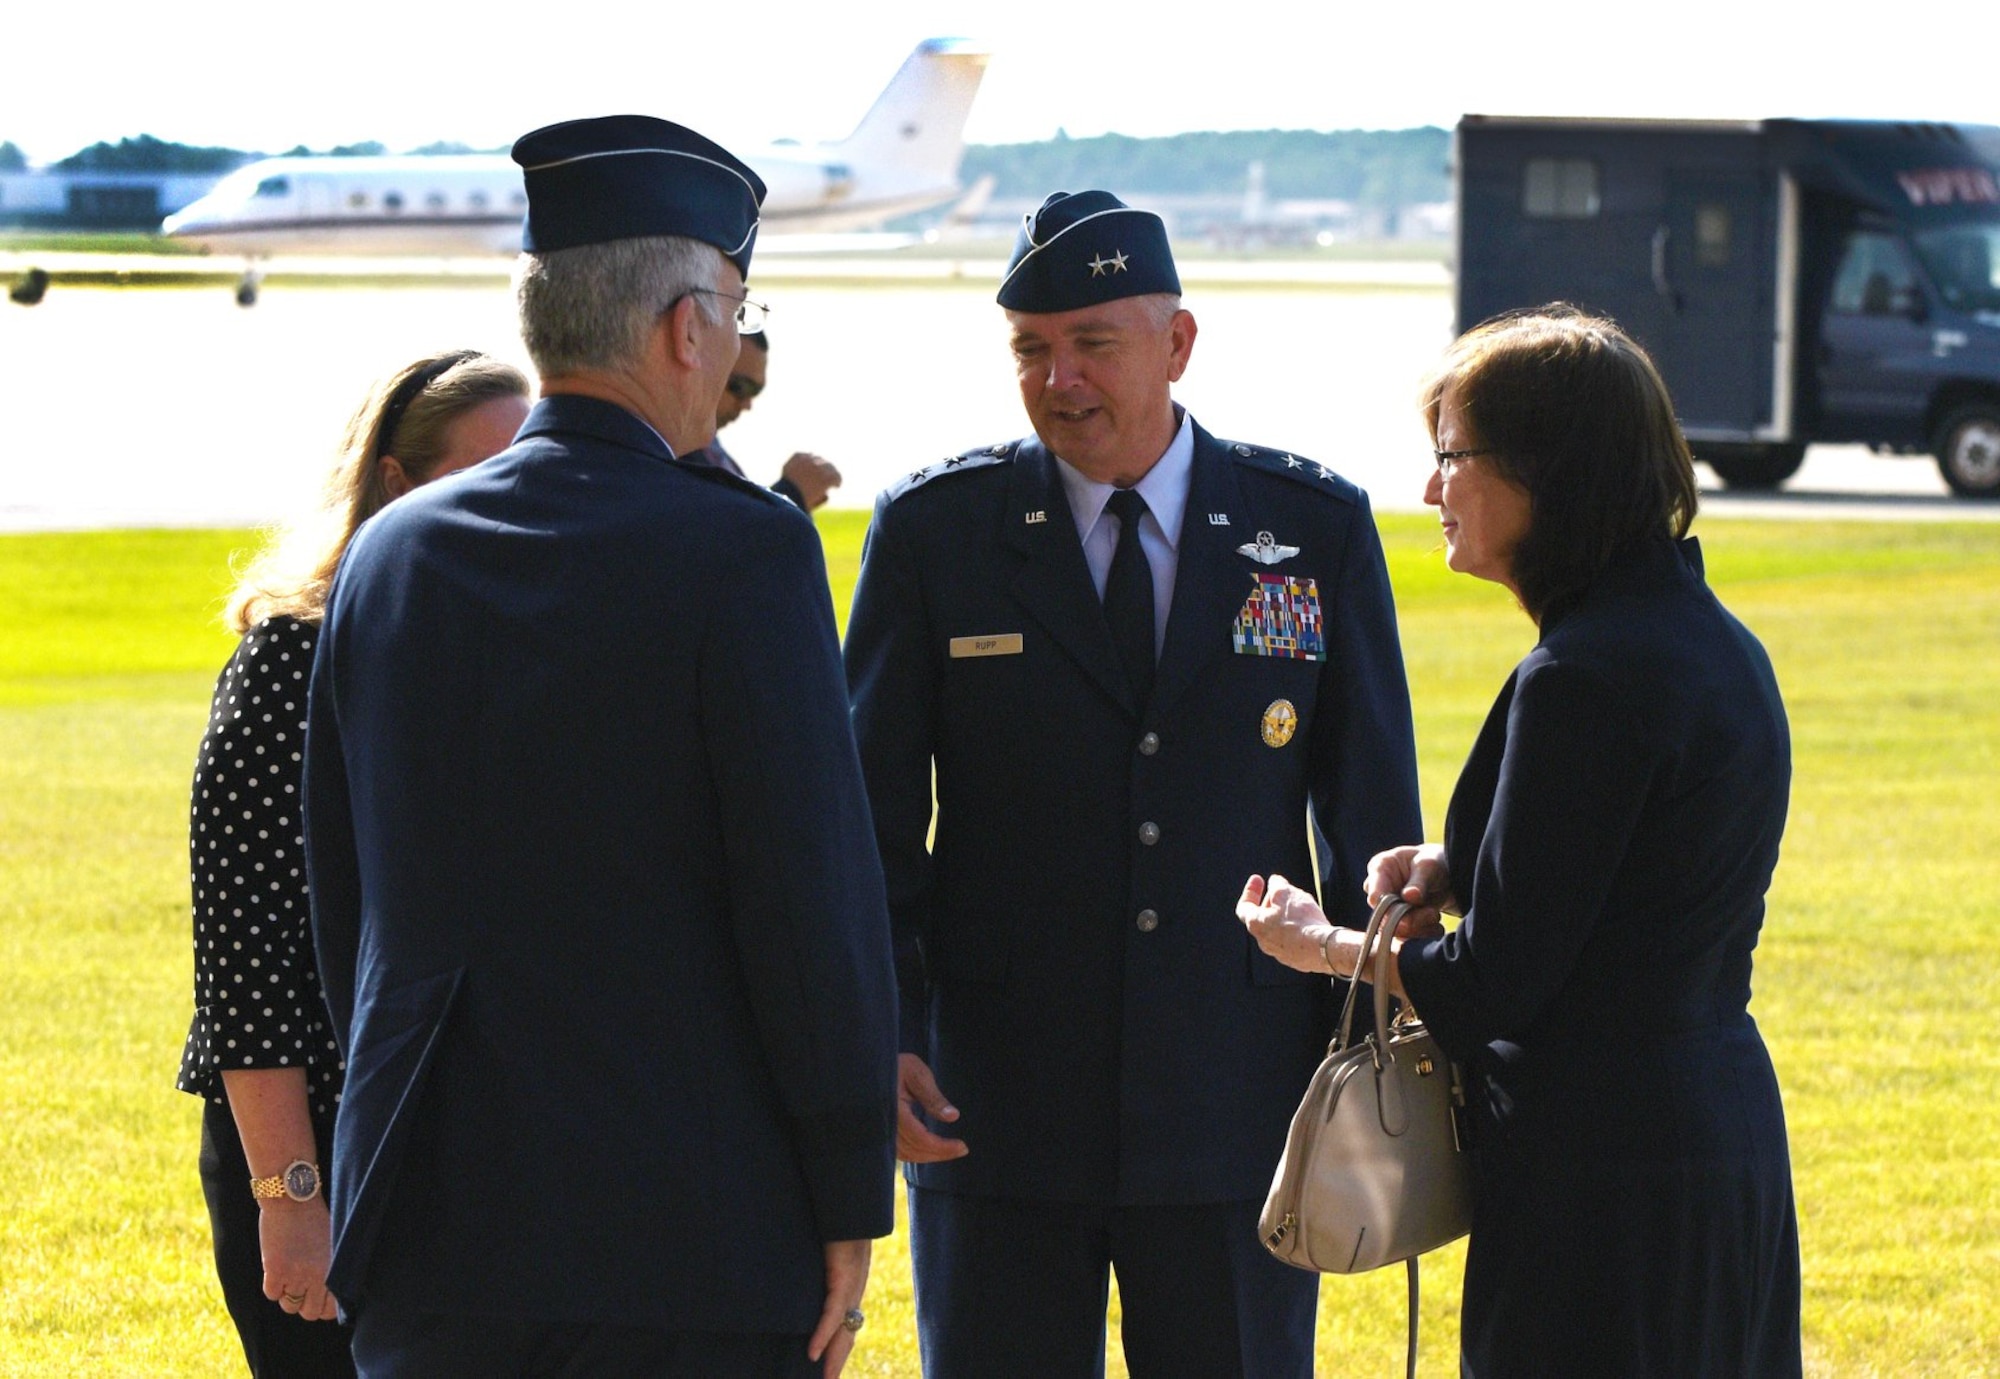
[
  {"x": 246, "y": 290},
  {"x": 32, "y": 287}
]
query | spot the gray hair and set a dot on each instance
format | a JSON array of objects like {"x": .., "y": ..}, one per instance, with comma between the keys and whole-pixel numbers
[
  {"x": 591, "y": 307},
  {"x": 1161, "y": 307}
]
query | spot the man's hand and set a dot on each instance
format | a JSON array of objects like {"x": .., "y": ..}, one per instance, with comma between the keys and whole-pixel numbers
[
  {"x": 917, "y": 1090},
  {"x": 297, "y": 1240},
  {"x": 846, "y": 1281},
  {"x": 1287, "y": 923},
  {"x": 813, "y": 477}
]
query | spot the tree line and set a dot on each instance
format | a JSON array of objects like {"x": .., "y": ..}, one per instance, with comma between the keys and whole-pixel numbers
[
  {"x": 1396, "y": 167},
  {"x": 1369, "y": 167}
]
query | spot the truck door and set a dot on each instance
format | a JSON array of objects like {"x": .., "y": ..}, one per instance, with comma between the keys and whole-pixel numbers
[
  {"x": 1875, "y": 367},
  {"x": 1712, "y": 260}
]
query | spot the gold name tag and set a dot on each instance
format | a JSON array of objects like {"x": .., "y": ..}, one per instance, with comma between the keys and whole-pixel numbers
[{"x": 1000, "y": 644}]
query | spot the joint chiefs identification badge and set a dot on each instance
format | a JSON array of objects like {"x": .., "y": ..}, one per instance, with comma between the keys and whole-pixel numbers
[{"x": 1281, "y": 720}]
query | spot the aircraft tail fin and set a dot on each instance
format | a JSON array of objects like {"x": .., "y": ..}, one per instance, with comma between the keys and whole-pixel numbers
[{"x": 917, "y": 124}]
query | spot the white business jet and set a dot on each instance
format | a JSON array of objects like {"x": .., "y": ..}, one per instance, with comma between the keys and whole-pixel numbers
[{"x": 902, "y": 157}]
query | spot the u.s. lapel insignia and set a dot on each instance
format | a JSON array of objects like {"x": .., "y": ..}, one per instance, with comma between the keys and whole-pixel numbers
[
  {"x": 1040, "y": 515},
  {"x": 1281, "y": 617},
  {"x": 1281, "y": 720},
  {"x": 1218, "y": 519},
  {"x": 1265, "y": 550}
]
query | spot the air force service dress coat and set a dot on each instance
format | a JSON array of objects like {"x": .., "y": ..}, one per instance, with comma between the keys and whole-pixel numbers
[
  {"x": 1611, "y": 839},
  {"x": 598, "y": 911},
  {"x": 1069, "y": 959}
]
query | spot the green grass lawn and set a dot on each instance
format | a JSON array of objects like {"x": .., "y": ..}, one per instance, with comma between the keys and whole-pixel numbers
[{"x": 1876, "y": 981}]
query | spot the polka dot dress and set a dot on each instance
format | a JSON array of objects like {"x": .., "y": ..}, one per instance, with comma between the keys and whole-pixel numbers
[{"x": 257, "y": 1001}]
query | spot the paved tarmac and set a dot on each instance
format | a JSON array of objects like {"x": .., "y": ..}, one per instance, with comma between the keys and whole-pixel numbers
[{"x": 176, "y": 407}]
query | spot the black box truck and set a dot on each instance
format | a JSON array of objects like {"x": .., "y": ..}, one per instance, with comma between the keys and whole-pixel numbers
[{"x": 1797, "y": 281}]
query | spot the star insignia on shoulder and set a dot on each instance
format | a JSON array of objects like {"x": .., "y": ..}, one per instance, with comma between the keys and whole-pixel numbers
[
  {"x": 1294, "y": 462},
  {"x": 954, "y": 462},
  {"x": 1322, "y": 471}
]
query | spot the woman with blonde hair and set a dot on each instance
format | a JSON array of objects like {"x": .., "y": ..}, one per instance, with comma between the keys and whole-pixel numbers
[{"x": 259, "y": 1049}]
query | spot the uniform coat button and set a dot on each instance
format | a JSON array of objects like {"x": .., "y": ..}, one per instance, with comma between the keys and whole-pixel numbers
[
  {"x": 1149, "y": 833},
  {"x": 1148, "y": 921},
  {"x": 1149, "y": 744}
]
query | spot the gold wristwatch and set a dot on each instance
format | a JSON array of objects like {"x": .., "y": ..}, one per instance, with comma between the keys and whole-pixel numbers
[{"x": 299, "y": 1181}]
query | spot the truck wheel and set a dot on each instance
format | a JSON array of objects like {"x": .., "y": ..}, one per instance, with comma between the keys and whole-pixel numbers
[
  {"x": 1968, "y": 450},
  {"x": 1753, "y": 466}
]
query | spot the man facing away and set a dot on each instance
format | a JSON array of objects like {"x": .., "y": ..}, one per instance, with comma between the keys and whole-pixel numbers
[
  {"x": 1133, "y": 657},
  {"x": 806, "y": 478},
  {"x": 596, "y": 902}
]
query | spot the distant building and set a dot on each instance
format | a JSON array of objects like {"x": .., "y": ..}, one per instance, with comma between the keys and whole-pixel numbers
[
  {"x": 46, "y": 199},
  {"x": 1252, "y": 220}
]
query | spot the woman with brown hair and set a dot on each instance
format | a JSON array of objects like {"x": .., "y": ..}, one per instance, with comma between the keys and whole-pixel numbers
[
  {"x": 1608, "y": 849},
  {"x": 259, "y": 1049}
]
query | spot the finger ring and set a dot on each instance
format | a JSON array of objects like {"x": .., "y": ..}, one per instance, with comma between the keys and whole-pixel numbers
[
  {"x": 852, "y": 1321},
  {"x": 295, "y": 1299}
]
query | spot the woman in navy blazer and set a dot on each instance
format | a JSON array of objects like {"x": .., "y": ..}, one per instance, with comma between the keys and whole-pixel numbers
[{"x": 1608, "y": 847}]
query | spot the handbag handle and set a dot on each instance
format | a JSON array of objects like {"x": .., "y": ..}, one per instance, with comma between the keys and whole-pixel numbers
[
  {"x": 1376, "y": 941},
  {"x": 1389, "y": 912}
]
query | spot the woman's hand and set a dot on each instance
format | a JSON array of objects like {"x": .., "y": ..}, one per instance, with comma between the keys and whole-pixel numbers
[
  {"x": 1418, "y": 875},
  {"x": 297, "y": 1238},
  {"x": 1287, "y": 923}
]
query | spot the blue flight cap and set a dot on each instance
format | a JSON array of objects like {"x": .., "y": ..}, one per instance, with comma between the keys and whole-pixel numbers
[
  {"x": 1085, "y": 248},
  {"x": 632, "y": 177}
]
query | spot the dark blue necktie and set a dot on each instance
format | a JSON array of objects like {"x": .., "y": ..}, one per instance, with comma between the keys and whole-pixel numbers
[{"x": 1128, "y": 595}]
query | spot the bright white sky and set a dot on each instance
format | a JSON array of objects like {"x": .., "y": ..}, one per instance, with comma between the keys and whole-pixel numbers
[{"x": 275, "y": 73}]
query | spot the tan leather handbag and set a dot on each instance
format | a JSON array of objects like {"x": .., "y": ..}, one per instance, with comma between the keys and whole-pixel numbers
[{"x": 1375, "y": 1168}]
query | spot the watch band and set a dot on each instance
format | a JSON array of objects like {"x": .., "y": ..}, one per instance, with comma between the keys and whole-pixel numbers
[{"x": 299, "y": 1182}]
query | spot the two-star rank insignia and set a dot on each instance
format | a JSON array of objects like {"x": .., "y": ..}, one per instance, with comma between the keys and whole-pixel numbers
[
  {"x": 1100, "y": 265},
  {"x": 1265, "y": 550}
]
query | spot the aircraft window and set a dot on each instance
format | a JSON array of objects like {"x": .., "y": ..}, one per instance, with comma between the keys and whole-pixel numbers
[
  {"x": 518, "y": 200},
  {"x": 392, "y": 202},
  {"x": 1560, "y": 188},
  {"x": 1874, "y": 278},
  {"x": 357, "y": 201},
  {"x": 275, "y": 186},
  {"x": 476, "y": 200},
  {"x": 1711, "y": 236},
  {"x": 434, "y": 202}
]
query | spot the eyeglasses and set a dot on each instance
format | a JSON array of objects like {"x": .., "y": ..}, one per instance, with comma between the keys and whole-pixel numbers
[
  {"x": 742, "y": 388},
  {"x": 749, "y": 315},
  {"x": 1447, "y": 460}
]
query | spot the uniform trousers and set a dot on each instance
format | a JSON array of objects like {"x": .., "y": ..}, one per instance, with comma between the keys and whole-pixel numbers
[
  {"x": 392, "y": 1342},
  {"x": 276, "y": 1343},
  {"x": 1008, "y": 1288}
]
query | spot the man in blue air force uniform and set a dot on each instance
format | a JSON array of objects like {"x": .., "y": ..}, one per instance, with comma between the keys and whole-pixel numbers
[
  {"x": 596, "y": 899},
  {"x": 1133, "y": 655}
]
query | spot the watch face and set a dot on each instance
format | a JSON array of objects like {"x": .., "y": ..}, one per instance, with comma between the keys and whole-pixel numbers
[{"x": 301, "y": 1182}]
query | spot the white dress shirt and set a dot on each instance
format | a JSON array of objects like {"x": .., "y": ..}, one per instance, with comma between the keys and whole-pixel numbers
[{"x": 1165, "y": 489}]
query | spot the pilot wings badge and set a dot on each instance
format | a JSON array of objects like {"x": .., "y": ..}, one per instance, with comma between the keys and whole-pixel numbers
[{"x": 1265, "y": 550}]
